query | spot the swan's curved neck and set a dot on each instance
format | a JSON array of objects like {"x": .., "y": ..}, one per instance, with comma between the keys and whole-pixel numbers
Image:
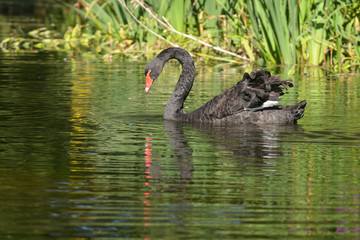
[{"x": 174, "y": 107}]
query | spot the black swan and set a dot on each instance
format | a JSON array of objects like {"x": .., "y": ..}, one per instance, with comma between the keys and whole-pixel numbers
[{"x": 251, "y": 100}]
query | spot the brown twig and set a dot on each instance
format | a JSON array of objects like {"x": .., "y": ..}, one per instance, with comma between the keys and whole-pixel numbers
[{"x": 167, "y": 25}]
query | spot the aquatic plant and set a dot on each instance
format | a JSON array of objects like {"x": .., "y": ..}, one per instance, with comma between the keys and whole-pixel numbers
[
  {"x": 275, "y": 24},
  {"x": 280, "y": 32}
]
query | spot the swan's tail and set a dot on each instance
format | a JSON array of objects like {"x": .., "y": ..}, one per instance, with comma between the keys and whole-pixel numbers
[{"x": 299, "y": 109}]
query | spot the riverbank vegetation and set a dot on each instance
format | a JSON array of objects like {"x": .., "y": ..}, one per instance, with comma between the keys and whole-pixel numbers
[{"x": 291, "y": 32}]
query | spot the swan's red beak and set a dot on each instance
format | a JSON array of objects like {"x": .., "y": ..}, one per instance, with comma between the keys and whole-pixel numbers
[{"x": 149, "y": 82}]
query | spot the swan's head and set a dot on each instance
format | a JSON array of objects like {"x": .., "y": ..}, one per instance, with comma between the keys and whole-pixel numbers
[{"x": 152, "y": 71}]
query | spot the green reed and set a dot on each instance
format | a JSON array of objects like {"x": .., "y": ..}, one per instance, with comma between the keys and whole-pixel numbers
[
  {"x": 275, "y": 25},
  {"x": 280, "y": 32},
  {"x": 287, "y": 32}
]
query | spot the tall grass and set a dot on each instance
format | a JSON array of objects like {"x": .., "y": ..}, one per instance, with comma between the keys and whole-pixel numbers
[
  {"x": 275, "y": 25},
  {"x": 317, "y": 32},
  {"x": 313, "y": 32},
  {"x": 330, "y": 32},
  {"x": 281, "y": 32}
]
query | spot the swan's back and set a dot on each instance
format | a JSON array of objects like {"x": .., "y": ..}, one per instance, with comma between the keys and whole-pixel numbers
[{"x": 251, "y": 101}]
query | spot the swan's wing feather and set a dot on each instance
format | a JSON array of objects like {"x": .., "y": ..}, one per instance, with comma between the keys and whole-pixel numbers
[{"x": 252, "y": 91}]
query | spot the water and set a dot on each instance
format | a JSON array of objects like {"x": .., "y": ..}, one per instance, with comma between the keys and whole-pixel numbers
[{"x": 85, "y": 153}]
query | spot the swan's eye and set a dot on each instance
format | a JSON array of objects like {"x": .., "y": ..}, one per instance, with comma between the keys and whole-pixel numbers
[{"x": 146, "y": 71}]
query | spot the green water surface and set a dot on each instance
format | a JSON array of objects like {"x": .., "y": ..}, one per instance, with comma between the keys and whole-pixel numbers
[{"x": 85, "y": 153}]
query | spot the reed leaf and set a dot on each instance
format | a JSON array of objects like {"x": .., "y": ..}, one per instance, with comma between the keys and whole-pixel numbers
[
  {"x": 317, "y": 32},
  {"x": 276, "y": 28}
]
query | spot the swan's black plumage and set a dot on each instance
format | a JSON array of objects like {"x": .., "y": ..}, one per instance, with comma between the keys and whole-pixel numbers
[{"x": 241, "y": 103}]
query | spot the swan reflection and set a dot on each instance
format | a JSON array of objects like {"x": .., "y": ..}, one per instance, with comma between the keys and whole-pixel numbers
[
  {"x": 239, "y": 145},
  {"x": 243, "y": 140}
]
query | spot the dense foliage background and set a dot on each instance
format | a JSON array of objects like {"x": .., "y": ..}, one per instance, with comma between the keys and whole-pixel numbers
[{"x": 287, "y": 32}]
